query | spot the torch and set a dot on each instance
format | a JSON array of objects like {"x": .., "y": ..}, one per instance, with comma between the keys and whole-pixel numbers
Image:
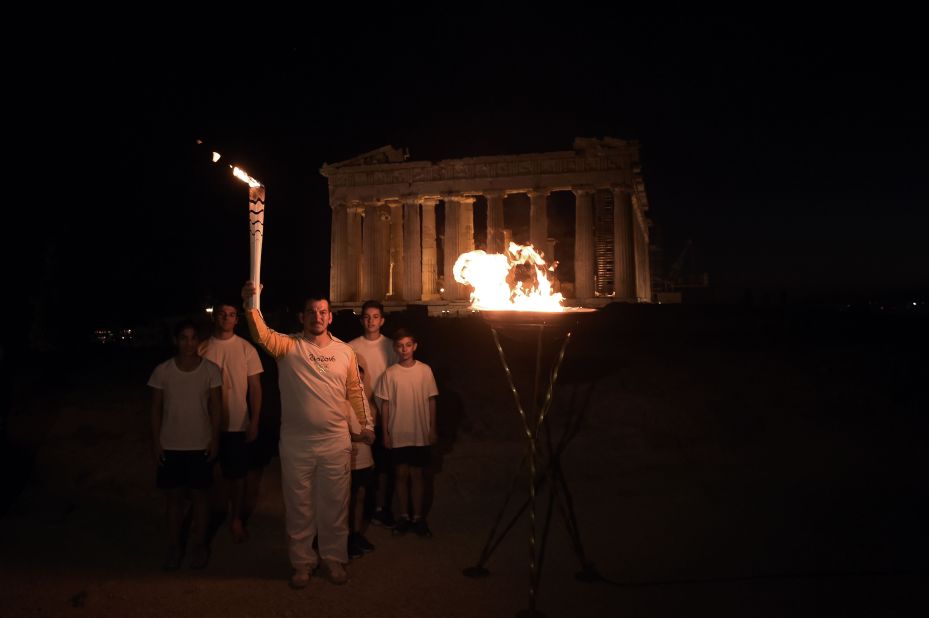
[{"x": 256, "y": 225}]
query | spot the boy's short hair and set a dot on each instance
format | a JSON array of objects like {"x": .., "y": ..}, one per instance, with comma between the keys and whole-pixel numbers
[
  {"x": 183, "y": 325},
  {"x": 402, "y": 333},
  {"x": 372, "y": 304},
  {"x": 224, "y": 303}
]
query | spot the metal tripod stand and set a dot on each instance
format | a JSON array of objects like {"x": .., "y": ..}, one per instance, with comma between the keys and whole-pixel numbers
[{"x": 534, "y": 327}]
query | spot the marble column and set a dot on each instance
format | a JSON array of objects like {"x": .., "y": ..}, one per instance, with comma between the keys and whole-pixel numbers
[
  {"x": 624, "y": 245},
  {"x": 583, "y": 243},
  {"x": 412, "y": 252},
  {"x": 376, "y": 270},
  {"x": 395, "y": 273},
  {"x": 646, "y": 265},
  {"x": 604, "y": 262},
  {"x": 538, "y": 219},
  {"x": 430, "y": 258},
  {"x": 338, "y": 252},
  {"x": 466, "y": 231},
  {"x": 352, "y": 283},
  {"x": 643, "y": 270},
  {"x": 452, "y": 247},
  {"x": 495, "y": 243}
]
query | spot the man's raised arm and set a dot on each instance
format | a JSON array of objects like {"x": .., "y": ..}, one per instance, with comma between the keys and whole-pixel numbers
[{"x": 275, "y": 344}]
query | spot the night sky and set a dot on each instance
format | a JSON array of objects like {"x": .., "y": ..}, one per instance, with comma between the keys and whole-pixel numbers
[{"x": 793, "y": 156}]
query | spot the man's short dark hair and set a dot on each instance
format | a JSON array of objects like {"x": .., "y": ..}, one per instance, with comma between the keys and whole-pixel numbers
[
  {"x": 401, "y": 333},
  {"x": 372, "y": 304},
  {"x": 315, "y": 297},
  {"x": 183, "y": 325}
]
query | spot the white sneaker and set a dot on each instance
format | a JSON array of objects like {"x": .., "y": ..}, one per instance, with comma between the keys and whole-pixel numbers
[
  {"x": 337, "y": 574},
  {"x": 300, "y": 578}
]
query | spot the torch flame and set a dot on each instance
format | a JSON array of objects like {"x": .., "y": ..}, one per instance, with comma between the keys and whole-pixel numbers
[
  {"x": 236, "y": 171},
  {"x": 514, "y": 281},
  {"x": 241, "y": 175}
]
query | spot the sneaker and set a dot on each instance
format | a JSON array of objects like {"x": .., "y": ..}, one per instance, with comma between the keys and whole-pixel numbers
[
  {"x": 383, "y": 518},
  {"x": 300, "y": 579},
  {"x": 364, "y": 544},
  {"x": 421, "y": 528},
  {"x": 403, "y": 526},
  {"x": 354, "y": 547},
  {"x": 173, "y": 561},
  {"x": 199, "y": 556},
  {"x": 337, "y": 574}
]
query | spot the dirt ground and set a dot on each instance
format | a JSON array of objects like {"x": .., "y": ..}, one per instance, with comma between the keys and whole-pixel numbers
[{"x": 724, "y": 464}]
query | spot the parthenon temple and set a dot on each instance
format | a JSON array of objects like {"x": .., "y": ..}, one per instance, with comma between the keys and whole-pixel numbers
[{"x": 398, "y": 226}]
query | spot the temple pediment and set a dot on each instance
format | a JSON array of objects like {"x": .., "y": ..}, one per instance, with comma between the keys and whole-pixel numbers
[
  {"x": 384, "y": 154},
  {"x": 594, "y": 146}
]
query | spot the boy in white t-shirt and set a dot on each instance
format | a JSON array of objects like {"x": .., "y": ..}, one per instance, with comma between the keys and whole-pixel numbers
[
  {"x": 408, "y": 393},
  {"x": 241, "y": 369},
  {"x": 186, "y": 411},
  {"x": 375, "y": 354}
]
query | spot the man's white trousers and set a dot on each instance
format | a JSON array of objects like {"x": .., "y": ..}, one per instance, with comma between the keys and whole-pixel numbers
[{"x": 315, "y": 481}]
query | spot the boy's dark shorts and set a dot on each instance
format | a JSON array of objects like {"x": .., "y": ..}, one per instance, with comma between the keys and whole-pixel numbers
[
  {"x": 185, "y": 469},
  {"x": 234, "y": 454},
  {"x": 263, "y": 448},
  {"x": 362, "y": 478},
  {"x": 411, "y": 455},
  {"x": 381, "y": 454},
  {"x": 237, "y": 457}
]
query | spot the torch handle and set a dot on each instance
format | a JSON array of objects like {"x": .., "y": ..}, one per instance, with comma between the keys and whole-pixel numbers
[
  {"x": 256, "y": 224},
  {"x": 255, "y": 273}
]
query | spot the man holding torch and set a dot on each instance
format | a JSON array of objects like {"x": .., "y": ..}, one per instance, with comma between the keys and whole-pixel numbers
[
  {"x": 318, "y": 374},
  {"x": 319, "y": 381}
]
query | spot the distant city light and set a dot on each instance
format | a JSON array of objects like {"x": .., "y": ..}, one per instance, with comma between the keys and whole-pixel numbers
[{"x": 209, "y": 310}]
